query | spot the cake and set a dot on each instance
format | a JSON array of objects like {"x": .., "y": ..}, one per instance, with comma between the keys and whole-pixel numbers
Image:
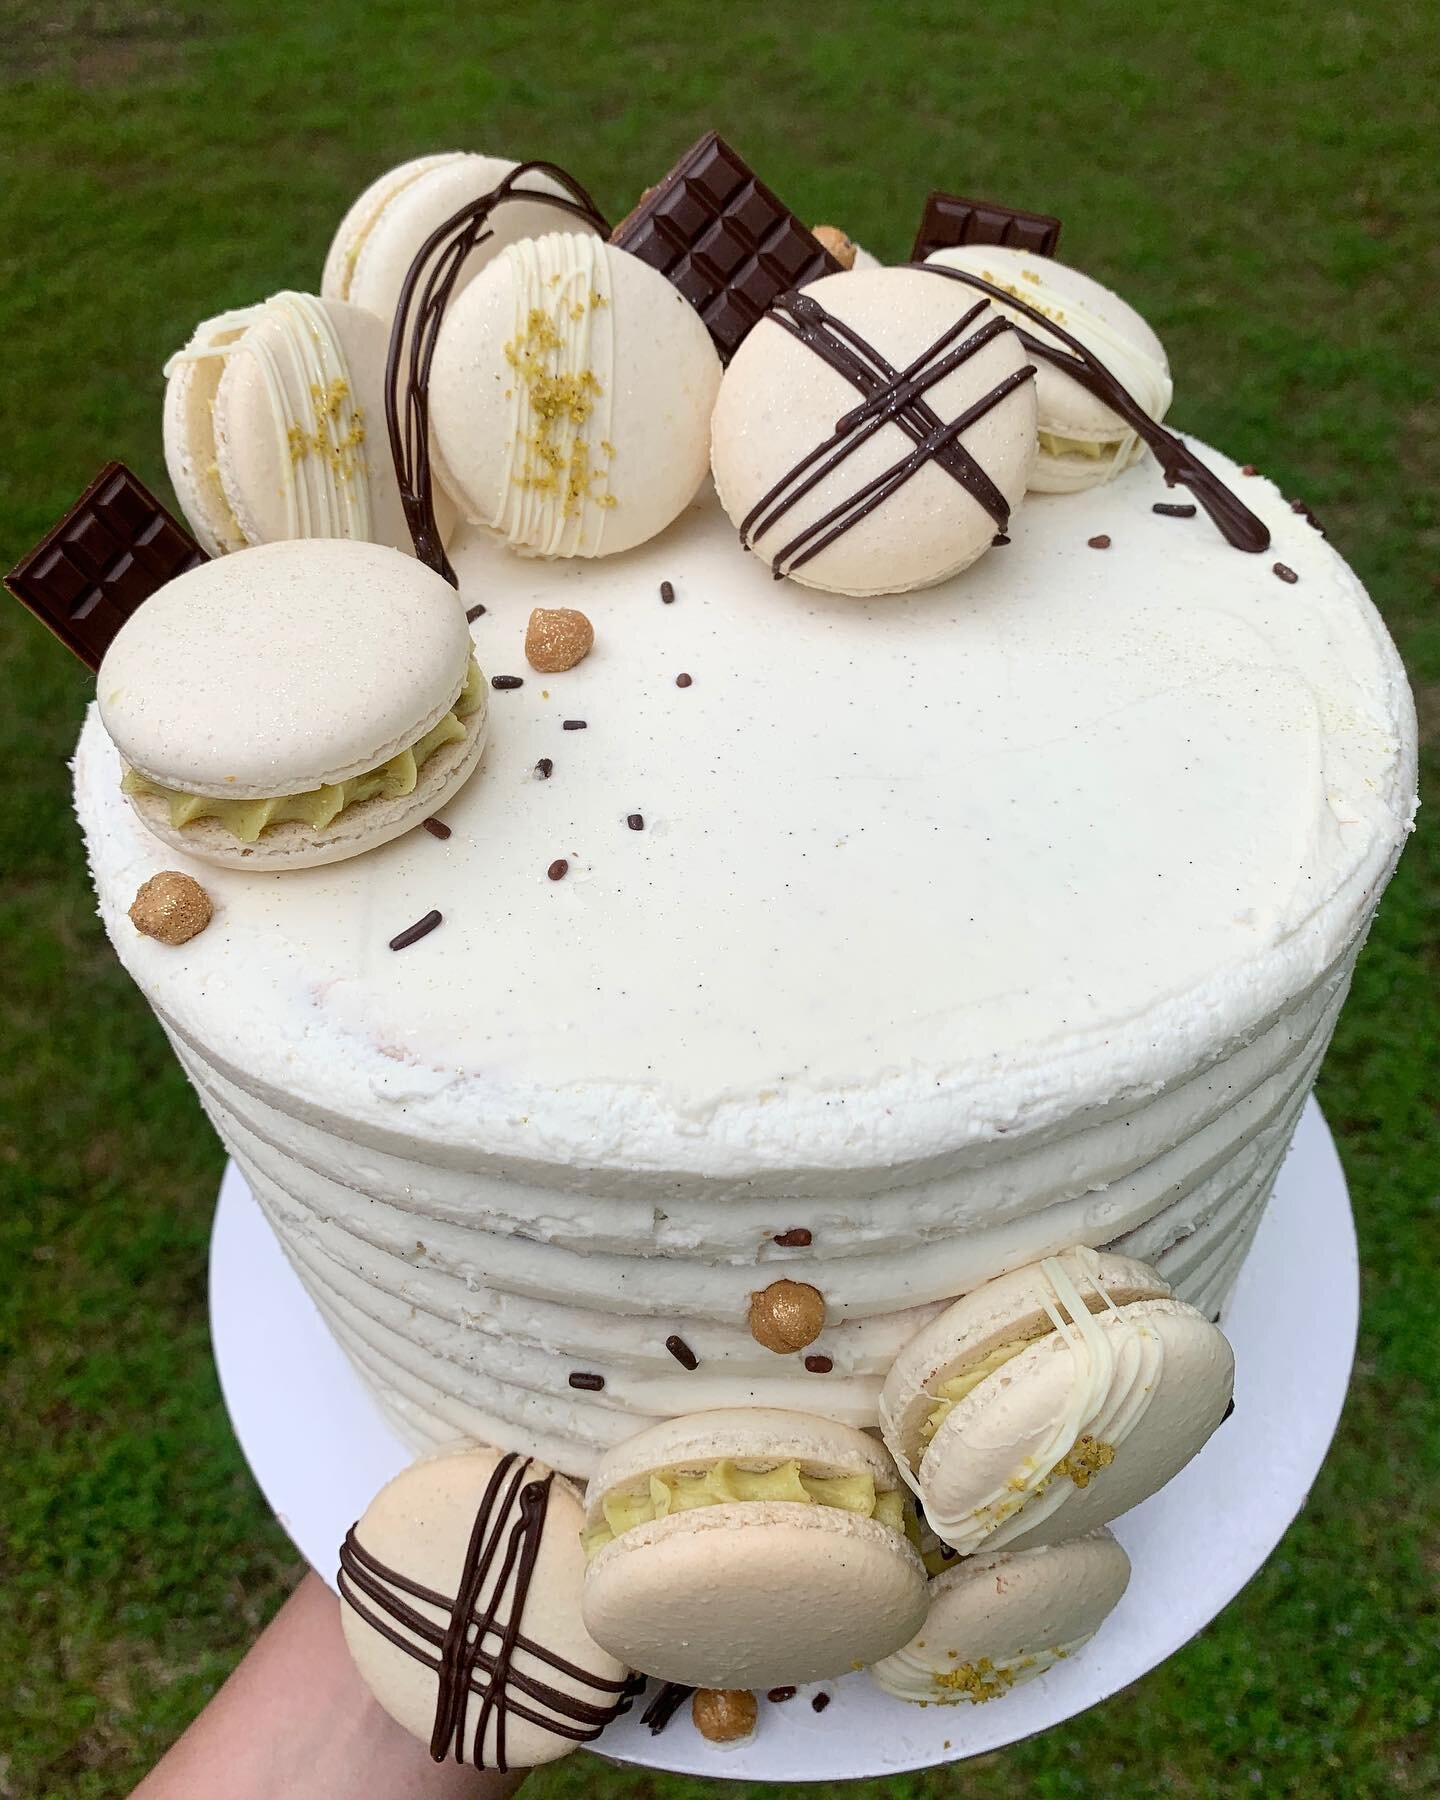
[
  {"x": 819, "y": 1072},
  {"x": 961, "y": 928}
]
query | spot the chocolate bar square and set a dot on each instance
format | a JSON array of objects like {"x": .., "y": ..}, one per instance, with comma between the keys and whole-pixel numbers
[
  {"x": 950, "y": 220},
  {"x": 105, "y": 558},
  {"x": 724, "y": 239}
]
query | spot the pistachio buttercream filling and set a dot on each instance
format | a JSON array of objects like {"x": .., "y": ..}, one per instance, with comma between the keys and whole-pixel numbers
[
  {"x": 723, "y": 1483},
  {"x": 950, "y": 1393},
  {"x": 321, "y": 806},
  {"x": 1054, "y": 444}
]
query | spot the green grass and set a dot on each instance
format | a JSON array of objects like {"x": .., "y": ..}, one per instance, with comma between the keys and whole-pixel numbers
[{"x": 1261, "y": 180}]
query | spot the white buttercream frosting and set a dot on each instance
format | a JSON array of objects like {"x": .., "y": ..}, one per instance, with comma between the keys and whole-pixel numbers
[{"x": 962, "y": 928}]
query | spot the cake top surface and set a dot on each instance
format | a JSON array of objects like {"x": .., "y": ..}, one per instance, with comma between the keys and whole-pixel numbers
[{"x": 912, "y": 873}]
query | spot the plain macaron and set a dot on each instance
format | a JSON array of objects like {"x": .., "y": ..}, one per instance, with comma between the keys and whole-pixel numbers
[
  {"x": 752, "y": 1592},
  {"x": 285, "y": 670}
]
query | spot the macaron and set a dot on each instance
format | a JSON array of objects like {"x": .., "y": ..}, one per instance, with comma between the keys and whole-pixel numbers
[
  {"x": 874, "y": 431},
  {"x": 750, "y": 1547},
  {"x": 383, "y": 232},
  {"x": 460, "y": 1604},
  {"x": 1053, "y": 1399},
  {"x": 1082, "y": 441},
  {"x": 274, "y": 427},
  {"x": 570, "y": 398},
  {"x": 296, "y": 704},
  {"x": 998, "y": 1620}
]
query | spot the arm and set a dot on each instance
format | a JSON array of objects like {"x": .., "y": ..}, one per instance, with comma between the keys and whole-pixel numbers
[{"x": 295, "y": 1722}]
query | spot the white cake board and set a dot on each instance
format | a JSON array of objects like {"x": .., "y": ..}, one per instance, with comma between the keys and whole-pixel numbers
[{"x": 320, "y": 1449}]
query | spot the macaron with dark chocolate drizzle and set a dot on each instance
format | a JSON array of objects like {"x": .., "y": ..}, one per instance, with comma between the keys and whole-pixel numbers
[
  {"x": 460, "y": 1603},
  {"x": 874, "y": 431}
]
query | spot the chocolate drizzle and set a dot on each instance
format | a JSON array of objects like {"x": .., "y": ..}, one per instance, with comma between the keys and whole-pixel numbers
[
  {"x": 669, "y": 1697},
  {"x": 892, "y": 397},
  {"x": 1238, "y": 525},
  {"x": 429, "y": 284},
  {"x": 474, "y": 1651}
]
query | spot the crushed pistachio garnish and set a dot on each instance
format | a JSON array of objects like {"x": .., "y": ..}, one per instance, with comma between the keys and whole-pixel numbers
[
  {"x": 1084, "y": 1459},
  {"x": 319, "y": 807},
  {"x": 982, "y": 1679},
  {"x": 722, "y": 1482},
  {"x": 558, "y": 458}
]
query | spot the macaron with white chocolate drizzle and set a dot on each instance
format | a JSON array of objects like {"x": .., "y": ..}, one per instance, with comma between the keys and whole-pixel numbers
[
  {"x": 1053, "y": 1399},
  {"x": 274, "y": 427},
  {"x": 570, "y": 398}
]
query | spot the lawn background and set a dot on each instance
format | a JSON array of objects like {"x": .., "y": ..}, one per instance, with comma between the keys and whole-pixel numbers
[{"x": 1260, "y": 180}]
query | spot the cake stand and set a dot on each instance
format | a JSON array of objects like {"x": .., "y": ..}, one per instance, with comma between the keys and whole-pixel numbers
[{"x": 320, "y": 1449}]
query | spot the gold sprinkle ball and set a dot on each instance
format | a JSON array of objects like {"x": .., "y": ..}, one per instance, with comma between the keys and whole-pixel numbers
[
  {"x": 724, "y": 1715},
  {"x": 557, "y": 638},
  {"x": 787, "y": 1316},
  {"x": 841, "y": 247},
  {"x": 172, "y": 907}
]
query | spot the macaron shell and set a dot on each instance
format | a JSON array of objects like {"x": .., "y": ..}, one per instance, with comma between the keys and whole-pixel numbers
[
  {"x": 364, "y": 213},
  {"x": 1002, "y": 1311},
  {"x": 779, "y": 401},
  {"x": 359, "y": 828},
  {"x": 1002, "y": 1424},
  {"x": 188, "y": 436},
  {"x": 252, "y": 449},
  {"x": 422, "y": 205},
  {"x": 1017, "y": 1610},
  {"x": 757, "y": 1436},
  {"x": 754, "y": 1595},
  {"x": 656, "y": 372},
  {"x": 419, "y": 1525},
  {"x": 283, "y": 668}
]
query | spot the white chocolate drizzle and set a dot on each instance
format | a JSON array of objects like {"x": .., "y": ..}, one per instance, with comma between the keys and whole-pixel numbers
[{"x": 555, "y": 495}]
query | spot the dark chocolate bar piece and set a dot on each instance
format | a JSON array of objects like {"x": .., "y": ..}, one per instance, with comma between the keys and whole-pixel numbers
[
  {"x": 950, "y": 221},
  {"x": 105, "y": 558},
  {"x": 728, "y": 244}
]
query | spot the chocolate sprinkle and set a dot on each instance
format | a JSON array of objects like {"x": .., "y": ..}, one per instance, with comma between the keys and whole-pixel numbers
[
  {"x": 671, "y": 1696},
  {"x": 999, "y": 538},
  {"x": 412, "y": 934},
  {"x": 636, "y": 821},
  {"x": 667, "y": 592},
  {"x": 581, "y": 1378},
  {"x": 682, "y": 1352},
  {"x": 557, "y": 871},
  {"x": 436, "y": 829},
  {"x": 682, "y": 681},
  {"x": 544, "y": 768},
  {"x": 1099, "y": 543},
  {"x": 1286, "y": 573},
  {"x": 574, "y": 725},
  {"x": 1248, "y": 469},
  {"x": 1230, "y": 1407},
  {"x": 819, "y": 1365},
  {"x": 473, "y": 612},
  {"x": 1174, "y": 510},
  {"x": 819, "y": 1703},
  {"x": 507, "y": 681},
  {"x": 795, "y": 1239},
  {"x": 777, "y": 1695}
]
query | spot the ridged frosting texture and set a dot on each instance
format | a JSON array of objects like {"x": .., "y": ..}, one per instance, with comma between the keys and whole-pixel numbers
[{"x": 1013, "y": 915}]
